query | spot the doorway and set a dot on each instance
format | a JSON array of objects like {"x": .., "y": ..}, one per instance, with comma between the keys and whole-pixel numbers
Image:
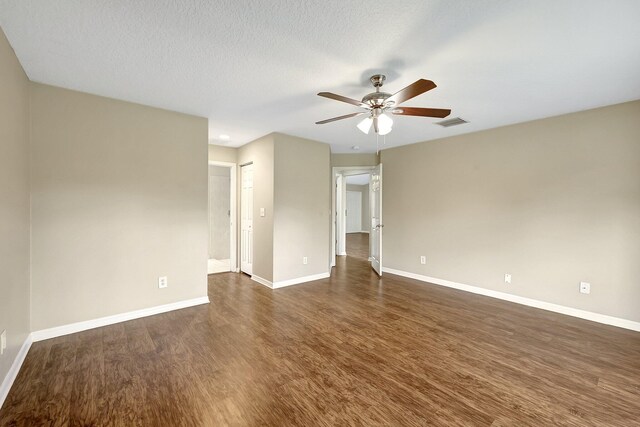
[
  {"x": 222, "y": 219},
  {"x": 358, "y": 216},
  {"x": 370, "y": 223}
]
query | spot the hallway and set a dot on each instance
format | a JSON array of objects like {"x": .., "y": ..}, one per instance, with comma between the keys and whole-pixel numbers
[{"x": 358, "y": 245}]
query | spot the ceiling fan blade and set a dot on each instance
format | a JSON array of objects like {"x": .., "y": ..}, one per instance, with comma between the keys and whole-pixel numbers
[
  {"x": 424, "y": 112},
  {"x": 346, "y": 116},
  {"x": 414, "y": 89},
  {"x": 342, "y": 98}
]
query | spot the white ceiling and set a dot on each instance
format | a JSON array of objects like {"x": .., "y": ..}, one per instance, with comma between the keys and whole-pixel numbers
[{"x": 254, "y": 67}]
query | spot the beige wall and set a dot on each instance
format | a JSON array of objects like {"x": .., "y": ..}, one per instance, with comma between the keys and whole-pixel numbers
[
  {"x": 219, "y": 153},
  {"x": 302, "y": 207},
  {"x": 261, "y": 153},
  {"x": 366, "y": 215},
  {"x": 14, "y": 204},
  {"x": 552, "y": 202},
  {"x": 119, "y": 198},
  {"x": 362, "y": 159}
]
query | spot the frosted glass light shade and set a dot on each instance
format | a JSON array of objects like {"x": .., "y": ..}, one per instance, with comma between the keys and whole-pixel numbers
[
  {"x": 384, "y": 124},
  {"x": 365, "y": 125}
]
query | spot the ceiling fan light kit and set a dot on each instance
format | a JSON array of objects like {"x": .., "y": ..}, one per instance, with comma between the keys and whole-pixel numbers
[
  {"x": 365, "y": 125},
  {"x": 378, "y": 105}
]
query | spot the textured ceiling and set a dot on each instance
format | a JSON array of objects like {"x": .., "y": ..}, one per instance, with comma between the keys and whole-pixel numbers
[{"x": 254, "y": 67}]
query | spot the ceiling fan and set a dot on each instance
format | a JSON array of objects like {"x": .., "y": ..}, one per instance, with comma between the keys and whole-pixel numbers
[{"x": 377, "y": 104}]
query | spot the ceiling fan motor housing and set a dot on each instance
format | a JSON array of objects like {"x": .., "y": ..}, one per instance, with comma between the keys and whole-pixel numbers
[
  {"x": 377, "y": 98},
  {"x": 377, "y": 80}
]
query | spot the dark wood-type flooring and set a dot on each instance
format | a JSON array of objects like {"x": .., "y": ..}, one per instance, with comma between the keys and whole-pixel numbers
[
  {"x": 358, "y": 245},
  {"x": 350, "y": 350}
]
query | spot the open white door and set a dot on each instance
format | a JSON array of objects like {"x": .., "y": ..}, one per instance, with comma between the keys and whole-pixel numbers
[
  {"x": 246, "y": 220},
  {"x": 375, "y": 202}
]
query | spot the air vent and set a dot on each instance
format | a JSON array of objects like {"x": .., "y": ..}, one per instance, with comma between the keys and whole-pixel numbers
[{"x": 452, "y": 122}]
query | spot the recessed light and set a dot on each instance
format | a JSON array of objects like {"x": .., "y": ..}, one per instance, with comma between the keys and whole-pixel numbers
[
  {"x": 355, "y": 147},
  {"x": 224, "y": 137}
]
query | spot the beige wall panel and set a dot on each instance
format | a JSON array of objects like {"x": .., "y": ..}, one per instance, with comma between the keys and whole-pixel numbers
[
  {"x": 14, "y": 204},
  {"x": 219, "y": 153},
  {"x": 552, "y": 202},
  {"x": 119, "y": 198},
  {"x": 303, "y": 206},
  {"x": 363, "y": 159}
]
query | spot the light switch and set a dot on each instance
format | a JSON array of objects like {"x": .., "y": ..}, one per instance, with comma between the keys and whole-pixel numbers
[{"x": 261, "y": 211}]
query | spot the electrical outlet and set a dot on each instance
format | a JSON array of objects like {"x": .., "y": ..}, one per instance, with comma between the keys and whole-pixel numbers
[
  {"x": 423, "y": 260},
  {"x": 162, "y": 282},
  {"x": 507, "y": 278},
  {"x": 305, "y": 260},
  {"x": 3, "y": 341},
  {"x": 585, "y": 288}
]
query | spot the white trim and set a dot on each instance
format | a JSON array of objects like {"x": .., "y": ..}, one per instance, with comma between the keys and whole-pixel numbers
[
  {"x": 290, "y": 282},
  {"x": 556, "y": 308},
  {"x": 14, "y": 369},
  {"x": 262, "y": 281},
  {"x": 298, "y": 280},
  {"x": 72, "y": 328},
  {"x": 364, "y": 231}
]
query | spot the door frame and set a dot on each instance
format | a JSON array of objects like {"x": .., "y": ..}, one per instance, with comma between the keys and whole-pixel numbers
[
  {"x": 338, "y": 222},
  {"x": 233, "y": 226},
  {"x": 375, "y": 206}
]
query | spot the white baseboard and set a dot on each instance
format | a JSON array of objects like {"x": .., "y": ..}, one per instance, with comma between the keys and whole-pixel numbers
[
  {"x": 569, "y": 311},
  {"x": 342, "y": 254},
  {"x": 298, "y": 280},
  {"x": 290, "y": 282},
  {"x": 72, "y": 328},
  {"x": 262, "y": 281},
  {"x": 365, "y": 231},
  {"x": 14, "y": 369}
]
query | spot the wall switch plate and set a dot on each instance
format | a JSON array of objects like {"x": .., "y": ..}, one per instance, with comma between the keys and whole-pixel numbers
[
  {"x": 261, "y": 211},
  {"x": 585, "y": 288},
  {"x": 305, "y": 260},
  {"x": 3, "y": 341},
  {"x": 423, "y": 260},
  {"x": 162, "y": 282},
  {"x": 507, "y": 278}
]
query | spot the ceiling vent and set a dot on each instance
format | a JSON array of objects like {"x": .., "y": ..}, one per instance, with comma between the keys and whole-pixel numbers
[{"x": 452, "y": 122}]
